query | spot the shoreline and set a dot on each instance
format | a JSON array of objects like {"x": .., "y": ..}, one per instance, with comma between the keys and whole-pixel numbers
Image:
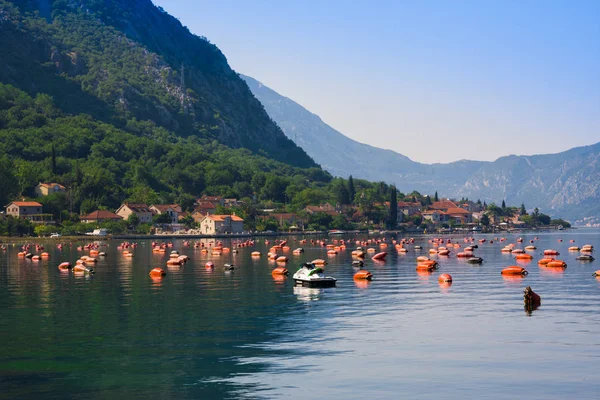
[{"x": 16, "y": 239}]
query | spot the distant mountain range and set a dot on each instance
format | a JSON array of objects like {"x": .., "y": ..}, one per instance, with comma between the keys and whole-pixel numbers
[{"x": 566, "y": 184}]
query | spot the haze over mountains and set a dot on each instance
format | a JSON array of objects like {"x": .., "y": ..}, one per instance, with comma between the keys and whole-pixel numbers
[{"x": 565, "y": 184}]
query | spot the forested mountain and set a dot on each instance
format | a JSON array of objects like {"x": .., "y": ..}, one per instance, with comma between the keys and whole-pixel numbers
[
  {"x": 118, "y": 101},
  {"x": 124, "y": 61},
  {"x": 566, "y": 184}
]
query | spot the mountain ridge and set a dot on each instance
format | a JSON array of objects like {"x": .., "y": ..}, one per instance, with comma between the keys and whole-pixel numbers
[
  {"x": 535, "y": 179},
  {"x": 124, "y": 60}
]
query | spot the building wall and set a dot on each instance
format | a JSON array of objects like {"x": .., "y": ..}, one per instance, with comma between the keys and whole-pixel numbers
[
  {"x": 41, "y": 191},
  {"x": 124, "y": 212},
  {"x": 45, "y": 191},
  {"x": 16, "y": 211}
]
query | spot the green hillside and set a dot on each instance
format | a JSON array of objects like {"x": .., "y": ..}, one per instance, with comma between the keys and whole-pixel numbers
[
  {"x": 103, "y": 165},
  {"x": 128, "y": 61}
]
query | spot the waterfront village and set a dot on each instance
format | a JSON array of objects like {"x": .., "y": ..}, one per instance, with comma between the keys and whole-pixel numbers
[{"x": 48, "y": 215}]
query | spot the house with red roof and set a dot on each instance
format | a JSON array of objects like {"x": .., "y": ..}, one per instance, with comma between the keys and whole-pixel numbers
[
  {"x": 219, "y": 224},
  {"x": 100, "y": 216},
  {"x": 45, "y": 189},
  {"x": 31, "y": 210},
  {"x": 140, "y": 209},
  {"x": 459, "y": 215},
  {"x": 408, "y": 208},
  {"x": 23, "y": 209},
  {"x": 172, "y": 210}
]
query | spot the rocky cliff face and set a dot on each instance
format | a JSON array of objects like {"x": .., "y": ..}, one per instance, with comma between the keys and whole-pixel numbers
[
  {"x": 121, "y": 60},
  {"x": 565, "y": 184}
]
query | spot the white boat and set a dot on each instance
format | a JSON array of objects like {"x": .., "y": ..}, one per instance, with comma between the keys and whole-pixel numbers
[
  {"x": 312, "y": 276},
  {"x": 337, "y": 232},
  {"x": 98, "y": 232}
]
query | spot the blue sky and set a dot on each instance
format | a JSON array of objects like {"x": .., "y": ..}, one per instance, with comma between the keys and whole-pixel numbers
[{"x": 437, "y": 81}]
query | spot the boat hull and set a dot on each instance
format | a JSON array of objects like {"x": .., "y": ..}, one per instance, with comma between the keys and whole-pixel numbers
[{"x": 315, "y": 282}]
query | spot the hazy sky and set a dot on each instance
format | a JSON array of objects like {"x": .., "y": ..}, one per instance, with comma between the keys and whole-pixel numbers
[{"x": 436, "y": 81}]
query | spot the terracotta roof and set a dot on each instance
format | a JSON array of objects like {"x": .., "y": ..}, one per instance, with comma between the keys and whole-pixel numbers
[
  {"x": 407, "y": 204},
  {"x": 443, "y": 204},
  {"x": 457, "y": 210},
  {"x": 101, "y": 214},
  {"x": 206, "y": 205},
  {"x": 222, "y": 218},
  {"x": 26, "y": 204},
  {"x": 210, "y": 198},
  {"x": 431, "y": 212},
  {"x": 138, "y": 207},
  {"x": 49, "y": 185},
  {"x": 165, "y": 207}
]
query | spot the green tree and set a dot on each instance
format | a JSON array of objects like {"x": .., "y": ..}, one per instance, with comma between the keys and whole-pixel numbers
[
  {"x": 342, "y": 196},
  {"x": 393, "y": 222},
  {"x": 351, "y": 189},
  {"x": 503, "y": 205},
  {"x": 485, "y": 220},
  {"x": 8, "y": 182},
  {"x": 160, "y": 219},
  {"x": 523, "y": 211},
  {"x": 435, "y": 197},
  {"x": 133, "y": 220}
]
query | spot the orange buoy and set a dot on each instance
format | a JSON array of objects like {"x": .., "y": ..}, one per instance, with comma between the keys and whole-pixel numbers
[
  {"x": 445, "y": 278},
  {"x": 551, "y": 252},
  {"x": 524, "y": 257},
  {"x": 363, "y": 275},
  {"x": 530, "y": 248},
  {"x": 444, "y": 252},
  {"x": 45, "y": 255},
  {"x": 280, "y": 271},
  {"x": 36, "y": 258},
  {"x": 514, "y": 270},
  {"x": 331, "y": 252},
  {"x": 379, "y": 256},
  {"x": 282, "y": 259},
  {"x": 556, "y": 264},
  {"x": 574, "y": 248},
  {"x": 597, "y": 273},
  {"x": 209, "y": 265},
  {"x": 319, "y": 262},
  {"x": 428, "y": 265},
  {"x": 255, "y": 254},
  {"x": 65, "y": 265},
  {"x": 545, "y": 261},
  {"x": 157, "y": 272},
  {"x": 173, "y": 261},
  {"x": 422, "y": 258},
  {"x": 465, "y": 254}
]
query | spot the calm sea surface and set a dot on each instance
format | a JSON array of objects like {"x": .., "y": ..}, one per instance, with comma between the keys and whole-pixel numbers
[{"x": 211, "y": 334}]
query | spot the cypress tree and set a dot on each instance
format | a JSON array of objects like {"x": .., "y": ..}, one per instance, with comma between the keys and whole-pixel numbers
[
  {"x": 435, "y": 197},
  {"x": 393, "y": 207},
  {"x": 53, "y": 160},
  {"x": 351, "y": 190}
]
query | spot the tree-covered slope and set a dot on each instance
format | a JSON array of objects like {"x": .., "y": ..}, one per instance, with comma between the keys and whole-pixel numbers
[
  {"x": 123, "y": 61},
  {"x": 102, "y": 165}
]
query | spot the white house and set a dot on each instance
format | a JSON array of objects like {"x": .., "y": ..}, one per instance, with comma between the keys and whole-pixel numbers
[
  {"x": 143, "y": 212},
  {"x": 216, "y": 224}
]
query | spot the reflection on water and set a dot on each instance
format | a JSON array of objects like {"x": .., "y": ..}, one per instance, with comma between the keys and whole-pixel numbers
[
  {"x": 308, "y": 294},
  {"x": 205, "y": 333}
]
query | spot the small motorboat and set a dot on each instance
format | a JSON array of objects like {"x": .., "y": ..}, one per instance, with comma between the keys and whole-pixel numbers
[{"x": 312, "y": 276}]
